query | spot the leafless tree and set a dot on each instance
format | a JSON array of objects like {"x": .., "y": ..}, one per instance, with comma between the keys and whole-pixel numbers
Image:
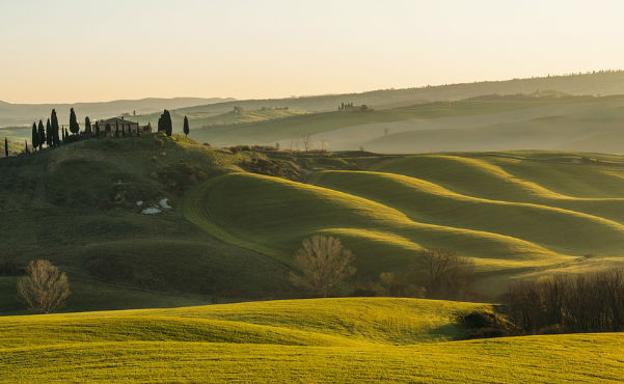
[
  {"x": 307, "y": 142},
  {"x": 323, "y": 263},
  {"x": 44, "y": 288},
  {"x": 585, "y": 302},
  {"x": 445, "y": 274}
]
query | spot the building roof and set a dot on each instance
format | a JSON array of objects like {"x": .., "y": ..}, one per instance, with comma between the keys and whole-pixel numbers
[{"x": 117, "y": 120}]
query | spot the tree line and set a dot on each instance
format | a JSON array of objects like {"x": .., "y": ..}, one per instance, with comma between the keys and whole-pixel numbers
[{"x": 581, "y": 303}]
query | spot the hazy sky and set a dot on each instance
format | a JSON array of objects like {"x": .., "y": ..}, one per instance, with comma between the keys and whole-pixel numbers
[{"x": 92, "y": 50}]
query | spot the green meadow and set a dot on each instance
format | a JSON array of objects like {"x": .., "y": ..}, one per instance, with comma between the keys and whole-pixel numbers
[{"x": 322, "y": 341}]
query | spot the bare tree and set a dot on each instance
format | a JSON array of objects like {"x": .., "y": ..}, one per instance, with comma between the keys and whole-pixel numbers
[
  {"x": 307, "y": 142},
  {"x": 323, "y": 263},
  {"x": 564, "y": 303},
  {"x": 44, "y": 288},
  {"x": 445, "y": 274}
]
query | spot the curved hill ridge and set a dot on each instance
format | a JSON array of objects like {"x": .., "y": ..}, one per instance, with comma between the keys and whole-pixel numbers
[{"x": 430, "y": 202}]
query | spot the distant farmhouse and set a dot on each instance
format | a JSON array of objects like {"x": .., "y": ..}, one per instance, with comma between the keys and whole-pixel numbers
[{"x": 119, "y": 126}]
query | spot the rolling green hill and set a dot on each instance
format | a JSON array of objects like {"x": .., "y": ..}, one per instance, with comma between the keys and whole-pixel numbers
[
  {"x": 330, "y": 340},
  {"x": 231, "y": 233}
]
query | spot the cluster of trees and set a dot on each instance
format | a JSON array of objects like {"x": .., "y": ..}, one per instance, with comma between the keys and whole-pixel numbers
[
  {"x": 48, "y": 134},
  {"x": 323, "y": 265},
  {"x": 436, "y": 274},
  {"x": 582, "y": 303},
  {"x": 165, "y": 124},
  {"x": 352, "y": 107}
]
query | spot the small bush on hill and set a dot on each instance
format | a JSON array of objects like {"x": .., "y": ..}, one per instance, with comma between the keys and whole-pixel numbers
[{"x": 484, "y": 324}]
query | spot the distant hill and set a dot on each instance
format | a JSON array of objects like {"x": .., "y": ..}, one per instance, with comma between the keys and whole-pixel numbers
[
  {"x": 20, "y": 114},
  {"x": 596, "y": 84},
  {"x": 484, "y": 123}
]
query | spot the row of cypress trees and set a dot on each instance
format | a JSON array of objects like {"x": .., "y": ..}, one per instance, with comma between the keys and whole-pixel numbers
[
  {"x": 52, "y": 135},
  {"x": 48, "y": 135}
]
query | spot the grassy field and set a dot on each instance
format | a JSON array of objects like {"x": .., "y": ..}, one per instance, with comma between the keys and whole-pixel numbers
[
  {"x": 330, "y": 340},
  {"x": 231, "y": 233}
]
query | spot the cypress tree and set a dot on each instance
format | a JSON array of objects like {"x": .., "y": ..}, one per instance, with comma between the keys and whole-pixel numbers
[
  {"x": 42, "y": 135},
  {"x": 74, "y": 127},
  {"x": 187, "y": 128},
  {"x": 49, "y": 134},
  {"x": 164, "y": 123},
  {"x": 167, "y": 123},
  {"x": 97, "y": 129},
  {"x": 35, "y": 136},
  {"x": 6, "y": 147},
  {"x": 26, "y": 146},
  {"x": 55, "y": 129},
  {"x": 88, "y": 126}
]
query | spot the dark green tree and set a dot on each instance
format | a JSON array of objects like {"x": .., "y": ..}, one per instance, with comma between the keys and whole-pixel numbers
[
  {"x": 54, "y": 126},
  {"x": 35, "y": 137},
  {"x": 6, "y": 147},
  {"x": 42, "y": 135},
  {"x": 26, "y": 146},
  {"x": 88, "y": 126},
  {"x": 165, "y": 124},
  {"x": 187, "y": 128},
  {"x": 97, "y": 129},
  {"x": 49, "y": 135},
  {"x": 74, "y": 127}
]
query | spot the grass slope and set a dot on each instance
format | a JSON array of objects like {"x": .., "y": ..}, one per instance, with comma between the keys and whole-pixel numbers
[
  {"x": 330, "y": 340},
  {"x": 231, "y": 234}
]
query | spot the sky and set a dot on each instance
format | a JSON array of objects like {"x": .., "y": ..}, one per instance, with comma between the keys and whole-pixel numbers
[{"x": 98, "y": 50}]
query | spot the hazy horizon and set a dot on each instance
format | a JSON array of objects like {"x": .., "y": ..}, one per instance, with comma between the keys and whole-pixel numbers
[{"x": 88, "y": 51}]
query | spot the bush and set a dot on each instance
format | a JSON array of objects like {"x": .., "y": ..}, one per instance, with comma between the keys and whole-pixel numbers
[{"x": 485, "y": 324}]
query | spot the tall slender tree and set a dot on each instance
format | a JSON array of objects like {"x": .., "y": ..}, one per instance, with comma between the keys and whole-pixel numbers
[
  {"x": 187, "y": 128},
  {"x": 6, "y": 147},
  {"x": 74, "y": 127},
  {"x": 54, "y": 125},
  {"x": 97, "y": 129},
  {"x": 35, "y": 136},
  {"x": 49, "y": 134},
  {"x": 88, "y": 126},
  {"x": 42, "y": 135},
  {"x": 26, "y": 146}
]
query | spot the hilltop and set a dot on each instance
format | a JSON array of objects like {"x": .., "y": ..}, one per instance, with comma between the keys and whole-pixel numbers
[
  {"x": 239, "y": 214},
  {"x": 323, "y": 341}
]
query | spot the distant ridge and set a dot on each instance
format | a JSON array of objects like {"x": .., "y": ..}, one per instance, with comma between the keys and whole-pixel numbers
[
  {"x": 20, "y": 114},
  {"x": 597, "y": 83}
]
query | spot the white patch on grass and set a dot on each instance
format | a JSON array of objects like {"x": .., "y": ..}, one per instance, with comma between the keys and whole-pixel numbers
[
  {"x": 151, "y": 211},
  {"x": 164, "y": 204}
]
